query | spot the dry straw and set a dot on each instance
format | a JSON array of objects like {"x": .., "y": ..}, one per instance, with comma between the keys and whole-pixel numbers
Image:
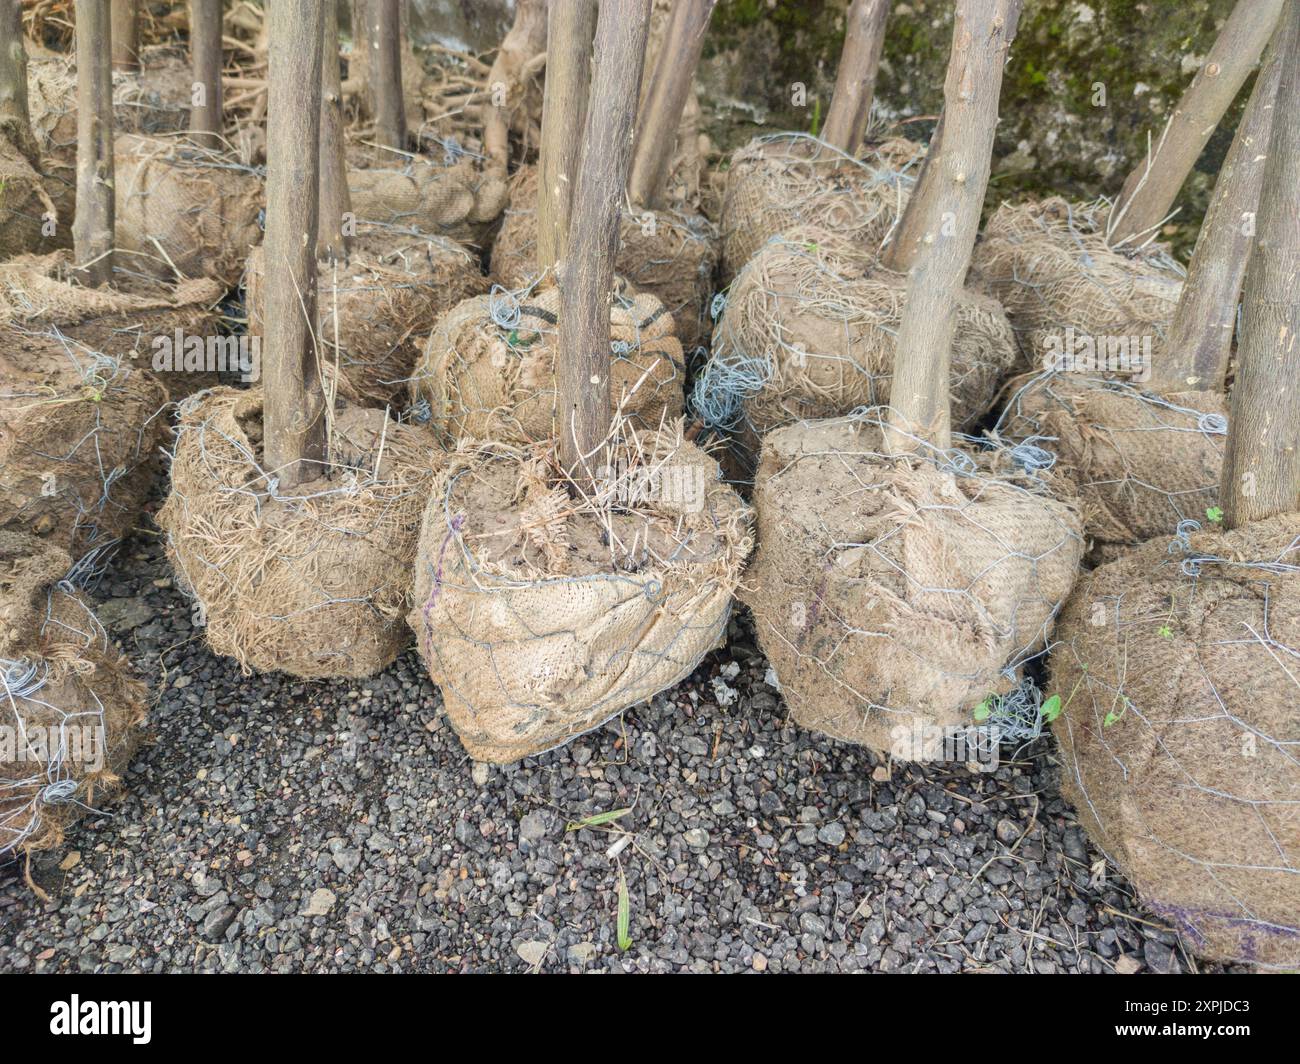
[{"x": 1178, "y": 671}]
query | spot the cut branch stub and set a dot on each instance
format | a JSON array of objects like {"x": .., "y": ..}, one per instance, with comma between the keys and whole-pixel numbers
[
  {"x": 661, "y": 114},
  {"x": 92, "y": 227},
  {"x": 1150, "y": 190},
  {"x": 1200, "y": 336},
  {"x": 295, "y": 430},
  {"x": 855, "y": 80},
  {"x": 586, "y": 273},
  {"x": 571, "y": 27},
  {"x": 1261, "y": 471},
  {"x": 982, "y": 34}
]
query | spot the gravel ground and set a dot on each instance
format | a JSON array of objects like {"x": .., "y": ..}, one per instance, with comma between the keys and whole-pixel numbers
[{"x": 280, "y": 825}]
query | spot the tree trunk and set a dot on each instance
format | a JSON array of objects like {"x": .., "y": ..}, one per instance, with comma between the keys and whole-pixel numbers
[
  {"x": 126, "y": 35},
  {"x": 982, "y": 34},
  {"x": 332, "y": 243},
  {"x": 386, "y": 74},
  {"x": 15, "y": 119},
  {"x": 1261, "y": 473},
  {"x": 205, "y": 55},
  {"x": 571, "y": 27},
  {"x": 905, "y": 244},
  {"x": 294, "y": 415},
  {"x": 1149, "y": 193},
  {"x": 92, "y": 228},
  {"x": 855, "y": 81},
  {"x": 586, "y": 273},
  {"x": 525, "y": 39},
  {"x": 661, "y": 114},
  {"x": 1200, "y": 338}
]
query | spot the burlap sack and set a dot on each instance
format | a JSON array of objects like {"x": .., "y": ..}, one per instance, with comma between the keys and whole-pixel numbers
[
  {"x": 808, "y": 331},
  {"x": 72, "y": 712},
  {"x": 1178, "y": 734},
  {"x": 454, "y": 199},
  {"x": 184, "y": 211},
  {"x": 379, "y": 308},
  {"x": 540, "y": 616},
  {"x": 24, "y": 206},
  {"x": 1140, "y": 461},
  {"x": 1049, "y": 265},
  {"x": 137, "y": 322},
  {"x": 488, "y": 370},
  {"x": 313, "y": 581},
  {"x": 667, "y": 253},
  {"x": 893, "y": 596},
  {"x": 784, "y": 180}
]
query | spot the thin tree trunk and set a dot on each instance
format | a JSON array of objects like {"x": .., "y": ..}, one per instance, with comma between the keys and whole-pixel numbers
[
  {"x": 1150, "y": 190},
  {"x": 205, "y": 55},
  {"x": 1261, "y": 473},
  {"x": 332, "y": 242},
  {"x": 855, "y": 81},
  {"x": 525, "y": 39},
  {"x": 294, "y": 415},
  {"x": 126, "y": 35},
  {"x": 586, "y": 273},
  {"x": 1200, "y": 339},
  {"x": 15, "y": 119},
  {"x": 386, "y": 73},
  {"x": 982, "y": 33},
  {"x": 661, "y": 114},
  {"x": 92, "y": 228},
  {"x": 905, "y": 244},
  {"x": 571, "y": 28}
]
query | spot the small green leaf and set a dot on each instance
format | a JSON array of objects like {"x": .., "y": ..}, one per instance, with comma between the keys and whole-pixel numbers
[
  {"x": 597, "y": 819},
  {"x": 1051, "y": 708},
  {"x": 1111, "y": 718},
  {"x": 624, "y": 914},
  {"x": 1215, "y": 514},
  {"x": 983, "y": 710},
  {"x": 1166, "y": 631}
]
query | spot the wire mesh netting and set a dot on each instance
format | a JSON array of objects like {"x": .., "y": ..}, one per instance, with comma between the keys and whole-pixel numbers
[
  {"x": 894, "y": 595},
  {"x": 1178, "y": 668},
  {"x": 542, "y": 613}
]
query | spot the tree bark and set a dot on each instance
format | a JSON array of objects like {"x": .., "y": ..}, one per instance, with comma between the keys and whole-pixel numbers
[
  {"x": 295, "y": 431},
  {"x": 1150, "y": 190},
  {"x": 15, "y": 118},
  {"x": 905, "y": 244},
  {"x": 126, "y": 35},
  {"x": 661, "y": 113},
  {"x": 586, "y": 273},
  {"x": 525, "y": 39},
  {"x": 386, "y": 74},
  {"x": 1200, "y": 338},
  {"x": 855, "y": 81},
  {"x": 205, "y": 55},
  {"x": 92, "y": 227},
  {"x": 332, "y": 243},
  {"x": 982, "y": 33},
  {"x": 1261, "y": 473},
  {"x": 571, "y": 28}
]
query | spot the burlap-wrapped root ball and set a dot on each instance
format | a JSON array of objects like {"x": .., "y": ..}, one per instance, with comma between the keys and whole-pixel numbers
[
  {"x": 893, "y": 595},
  {"x": 1178, "y": 735},
  {"x": 72, "y": 712},
  {"x": 184, "y": 209},
  {"x": 668, "y": 253},
  {"x": 1140, "y": 461},
  {"x": 488, "y": 371},
  {"x": 377, "y": 308},
  {"x": 456, "y": 200},
  {"x": 1048, "y": 263},
  {"x": 808, "y": 331},
  {"x": 25, "y": 205},
  {"x": 783, "y": 181},
  {"x": 313, "y": 580},
  {"x": 80, "y": 430},
  {"x": 541, "y": 616}
]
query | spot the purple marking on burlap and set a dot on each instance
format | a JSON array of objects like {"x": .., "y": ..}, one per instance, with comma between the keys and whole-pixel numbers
[{"x": 457, "y": 523}]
